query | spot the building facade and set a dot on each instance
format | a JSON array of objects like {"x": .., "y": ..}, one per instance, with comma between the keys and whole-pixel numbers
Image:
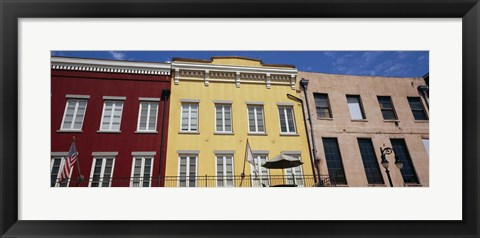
[
  {"x": 117, "y": 111},
  {"x": 219, "y": 104},
  {"x": 354, "y": 117}
]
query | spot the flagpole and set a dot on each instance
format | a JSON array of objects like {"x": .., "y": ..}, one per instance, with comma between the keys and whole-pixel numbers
[
  {"x": 242, "y": 175},
  {"x": 80, "y": 176}
]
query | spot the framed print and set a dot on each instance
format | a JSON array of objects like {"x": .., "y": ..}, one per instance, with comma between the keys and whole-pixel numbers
[{"x": 39, "y": 87}]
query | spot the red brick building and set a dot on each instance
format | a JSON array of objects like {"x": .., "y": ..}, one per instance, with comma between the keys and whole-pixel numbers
[{"x": 118, "y": 113}]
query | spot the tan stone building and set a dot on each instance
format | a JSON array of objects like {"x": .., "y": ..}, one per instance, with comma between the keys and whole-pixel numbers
[{"x": 353, "y": 117}]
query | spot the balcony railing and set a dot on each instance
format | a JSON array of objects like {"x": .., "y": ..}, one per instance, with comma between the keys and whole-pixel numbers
[{"x": 202, "y": 181}]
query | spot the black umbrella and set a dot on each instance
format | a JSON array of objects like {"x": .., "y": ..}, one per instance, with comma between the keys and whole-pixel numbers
[{"x": 282, "y": 162}]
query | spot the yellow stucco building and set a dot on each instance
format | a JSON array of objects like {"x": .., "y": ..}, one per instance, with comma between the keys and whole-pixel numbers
[{"x": 216, "y": 105}]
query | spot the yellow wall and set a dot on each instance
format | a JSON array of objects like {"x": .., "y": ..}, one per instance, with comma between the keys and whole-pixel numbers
[
  {"x": 207, "y": 142},
  {"x": 236, "y": 62}
]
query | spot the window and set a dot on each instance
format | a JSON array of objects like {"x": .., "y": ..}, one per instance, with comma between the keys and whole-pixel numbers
[
  {"x": 74, "y": 114},
  {"x": 287, "y": 121},
  {"x": 295, "y": 175},
  {"x": 188, "y": 171},
  {"x": 261, "y": 178},
  {"x": 255, "y": 119},
  {"x": 322, "y": 105},
  {"x": 224, "y": 170},
  {"x": 355, "y": 107},
  {"x": 141, "y": 172},
  {"x": 112, "y": 116},
  {"x": 189, "y": 121},
  {"x": 386, "y": 107},
  {"x": 56, "y": 166},
  {"x": 370, "y": 162},
  {"x": 334, "y": 160},
  {"x": 223, "y": 118},
  {"x": 147, "y": 116},
  {"x": 102, "y": 172},
  {"x": 426, "y": 143},
  {"x": 417, "y": 108},
  {"x": 408, "y": 171}
]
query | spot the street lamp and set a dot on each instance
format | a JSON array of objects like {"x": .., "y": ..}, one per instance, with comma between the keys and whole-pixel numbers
[{"x": 386, "y": 151}]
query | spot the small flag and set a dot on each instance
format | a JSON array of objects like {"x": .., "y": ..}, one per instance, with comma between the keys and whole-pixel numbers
[
  {"x": 69, "y": 162},
  {"x": 250, "y": 158}
]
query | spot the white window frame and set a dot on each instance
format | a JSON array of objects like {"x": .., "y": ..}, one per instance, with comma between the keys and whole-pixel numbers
[
  {"x": 142, "y": 171},
  {"x": 256, "y": 119},
  {"x": 102, "y": 171},
  {"x": 300, "y": 167},
  {"x": 111, "y": 116},
  {"x": 189, "y": 116},
  {"x": 187, "y": 171},
  {"x": 148, "y": 116},
  {"x": 288, "y": 132},
  {"x": 257, "y": 182},
  {"x": 223, "y": 118},
  {"x": 77, "y": 103},
  {"x": 224, "y": 165},
  {"x": 62, "y": 164}
]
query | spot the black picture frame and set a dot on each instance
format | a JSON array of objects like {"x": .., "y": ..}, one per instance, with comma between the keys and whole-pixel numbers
[{"x": 11, "y": 11}]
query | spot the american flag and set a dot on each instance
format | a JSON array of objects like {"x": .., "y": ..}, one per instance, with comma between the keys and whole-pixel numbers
[{"x": 69, "y": 162}]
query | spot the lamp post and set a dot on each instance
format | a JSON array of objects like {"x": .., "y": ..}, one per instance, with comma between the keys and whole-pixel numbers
[{"x": 386, "y": 151}]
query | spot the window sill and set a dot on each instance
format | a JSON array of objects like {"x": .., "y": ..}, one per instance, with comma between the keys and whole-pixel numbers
[
  {"x": 359, "y": 120},
  {"x": 413, "y": 185},
  {"x": 109, "y": 132},
  {"x": 70, "y": 131},
  {"x": 289, "y": 134},
  {"x": 324, "y": 119},
  {"x": 146, "y": 132},
  {"x": 257, "y": 134},
  {"x": 224, "y": 133},
  {"x": 377, "y": 185},
  {"x": 189, "y": 132},
  {"x": 421, "y": 121},
  {"x": 391, "y": 120}
]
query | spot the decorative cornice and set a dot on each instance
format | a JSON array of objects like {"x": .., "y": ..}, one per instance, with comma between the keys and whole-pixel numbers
[
  {"x": 199, "y": 70},
  {"x": 110, "y": 66}
]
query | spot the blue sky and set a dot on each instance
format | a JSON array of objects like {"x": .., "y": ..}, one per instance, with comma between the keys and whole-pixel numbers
[{"x": 369, "y": 63}]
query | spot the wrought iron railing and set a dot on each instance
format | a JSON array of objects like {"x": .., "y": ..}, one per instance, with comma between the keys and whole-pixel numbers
[{"x": 202, "y": 181}]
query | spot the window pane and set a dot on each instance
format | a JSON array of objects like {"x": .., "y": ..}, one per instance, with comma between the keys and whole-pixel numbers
[
  {"x": 417, "y": 108},
  {"x": 228, "y": 118},
  {"x": 334, "y": 160},
  {"x": 152, "y": 123},
  {"x": 408, "y": 171},
  {"x": 219, "y": 117},
  {"x": 283, "y": 123},
  {"x": 388, "y": 115},
  {"x": 260, "y": 124},
  {"x": 55, "y": 170},
  {"x": 251, "y": 119},
  {"x": 386, "y": 107},
  {"x": 370, "y": 162},
  {"x": 322, "y": 105},
  {"x": 426, "y": 143},
  {"x": 185, "y": 111},
  {"x": 291, "y": 123},
  {"x": 354, "y": 107}
]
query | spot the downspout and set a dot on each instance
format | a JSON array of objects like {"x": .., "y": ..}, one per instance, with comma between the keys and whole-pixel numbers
[
  {"x": 165, "y": 95},
  {"x": 308, "y": 141},
  {"x": 304, "y": 84}
]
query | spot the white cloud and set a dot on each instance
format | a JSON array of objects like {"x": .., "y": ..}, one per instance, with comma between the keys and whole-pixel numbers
[{"x": 117, "y": 55}]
